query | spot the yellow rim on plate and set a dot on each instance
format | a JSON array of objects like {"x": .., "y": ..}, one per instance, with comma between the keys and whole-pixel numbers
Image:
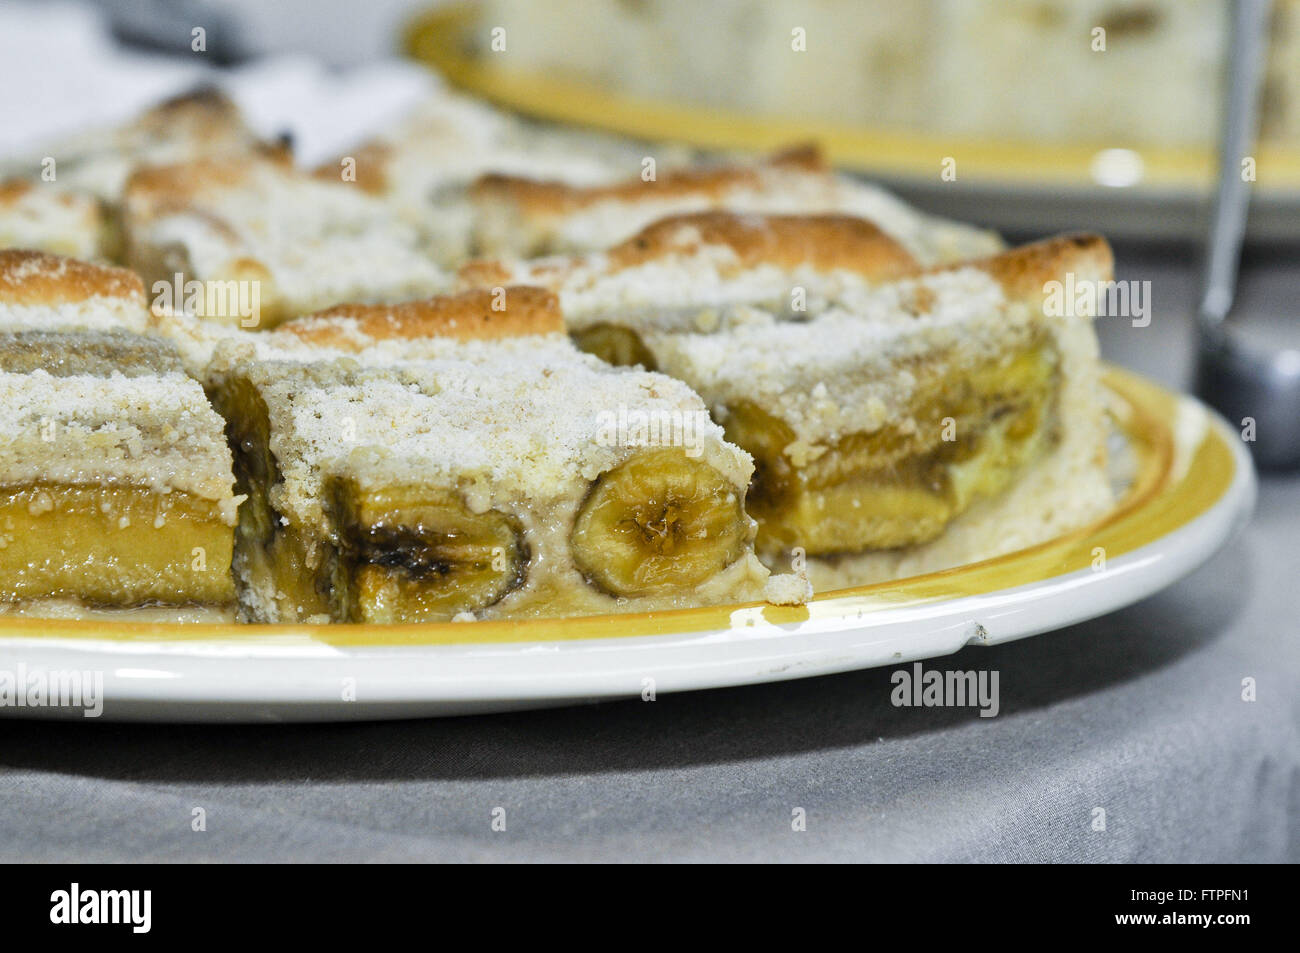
[
  {"x": 440, "y": 38},
  {"x": 1158, "y": 501}
]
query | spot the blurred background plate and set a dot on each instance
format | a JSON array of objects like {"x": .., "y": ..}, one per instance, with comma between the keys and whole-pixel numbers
[{"x": 1120, "y": 186}]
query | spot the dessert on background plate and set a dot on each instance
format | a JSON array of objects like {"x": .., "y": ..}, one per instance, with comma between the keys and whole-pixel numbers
[{"x": 923, "y": 65}]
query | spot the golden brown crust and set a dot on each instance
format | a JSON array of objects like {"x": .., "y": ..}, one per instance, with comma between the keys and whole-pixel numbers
[
  {"x": 207, "y": 108},
  {"x": 472, "y": 315},
  {"x": 38, "y": 278},
  {"x": 154, "y": 190},
  {"x": 545, "y": 197},
  {"x": 1024, "y": 271},
  {"x": 806, "y": 156},
  {"x": 484, "y": 273},
  {"x": 13, "y": 191},
  {"x": 370, "y": 165},
  {"x": 825, "y": 242}
]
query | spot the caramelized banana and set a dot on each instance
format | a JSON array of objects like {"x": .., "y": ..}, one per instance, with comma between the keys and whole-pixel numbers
[
  {"x": 614, "y": 344},
  {"x": 267, "y": 555},
  {"x": 891, "y": 488},
  {"x": 658, "y": 522},
  {"x": 411, "y": 554},
  {"x": 115, "y": 478}
]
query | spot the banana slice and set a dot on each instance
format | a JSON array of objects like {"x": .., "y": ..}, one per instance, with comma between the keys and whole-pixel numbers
[
  {"x": 273, "y": 563},
  {"x": 891, "y": 487},
  {"x": 614, "y": 344},
  {"x": 248, "y": 429},
  {"x": 415, "y": 555},
  {"x": 659, "y": 522}
]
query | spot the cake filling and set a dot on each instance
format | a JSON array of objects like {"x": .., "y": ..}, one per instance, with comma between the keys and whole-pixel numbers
[{"x": 966, "y": 437}]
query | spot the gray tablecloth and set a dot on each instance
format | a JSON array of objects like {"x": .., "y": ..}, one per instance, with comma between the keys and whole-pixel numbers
[{"x": 1138, "y": 713}]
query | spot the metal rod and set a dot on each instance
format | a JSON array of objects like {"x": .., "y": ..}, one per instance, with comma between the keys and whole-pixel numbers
[{"x": 1240, "y": 120}]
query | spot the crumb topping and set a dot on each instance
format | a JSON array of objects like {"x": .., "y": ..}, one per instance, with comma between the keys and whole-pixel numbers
[
  {"x": 845, "y": 369},
  {"x": 319, "y": 242},
  {"x": 41, "y": 290},
  {"x": 156, "y": 431},
  {"x": 527, "y": 419}
]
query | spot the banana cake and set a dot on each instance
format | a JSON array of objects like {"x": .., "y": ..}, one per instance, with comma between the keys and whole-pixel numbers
[
  {"x": 676, "y": 273},
  {"x": 40, "y": 291},
  {"x": 48, "y": 217},
  {"x": 425, "y": 165},
  {"x": 913, "y": 424},
  {"x": 528, "y": 216},
  {"x": 115, "y": 477},
  {"x": 502, "y": 473},
  {"x": 266, "y": 242},
  {"x": 204, "y": 123}
]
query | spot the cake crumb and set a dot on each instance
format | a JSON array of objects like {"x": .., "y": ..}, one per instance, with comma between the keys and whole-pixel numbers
[{"x": 788, "y": 589}]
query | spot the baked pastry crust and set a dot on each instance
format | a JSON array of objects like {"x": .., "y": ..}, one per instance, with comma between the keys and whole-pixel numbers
[
  {"x": 470, "y": 315},
  {"x": 39, "y": 278},
  {"x": 519, "y": 216},
  {"x": 372, "y": 334},
  {"x": 303, "y": 244},
  {"x": 1022, "y": 272},
  {"x": 43, "y": 291},
  {"x": 201, "y": 123},
  {"x": 48, "y": 217},
  {"x": 818, "y": 242},
  {"x": 540, "y": 197},
  {"x": 821, "y": 242}
]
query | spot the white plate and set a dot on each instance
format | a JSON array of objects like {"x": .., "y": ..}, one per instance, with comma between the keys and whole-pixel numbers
[{"x": 1195, "y": 486}]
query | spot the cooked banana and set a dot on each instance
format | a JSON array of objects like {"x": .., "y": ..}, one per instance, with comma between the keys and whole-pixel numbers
[
  {"x": 269, "y": 556},
  {"x": 893, "y": 487},
  {"x": 424, "y": 462},
  {"x": 415, "y": 554},
  {"x": 614, "y": 344},
  {"x": 115, "y": 478},
  {"x": 659, "y": 522}
]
